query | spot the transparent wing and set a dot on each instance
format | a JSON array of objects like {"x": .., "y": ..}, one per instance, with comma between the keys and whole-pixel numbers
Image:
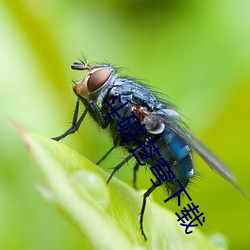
[{"x": 175, "y": 124}]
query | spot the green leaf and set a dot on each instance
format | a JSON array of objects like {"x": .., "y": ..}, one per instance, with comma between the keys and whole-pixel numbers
[{"x": 106, "y": 216}]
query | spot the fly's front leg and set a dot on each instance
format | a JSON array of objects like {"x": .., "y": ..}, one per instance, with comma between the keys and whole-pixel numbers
[
  {"x": 75, "y": 124},
  {"x": 97, "y": 114}
]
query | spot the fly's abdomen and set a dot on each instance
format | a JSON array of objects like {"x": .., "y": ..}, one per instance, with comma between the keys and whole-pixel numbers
[{"x": 178, "y": 155}]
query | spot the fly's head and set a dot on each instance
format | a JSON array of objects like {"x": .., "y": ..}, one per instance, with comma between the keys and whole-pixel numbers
[{"x": 95, "y": 81}]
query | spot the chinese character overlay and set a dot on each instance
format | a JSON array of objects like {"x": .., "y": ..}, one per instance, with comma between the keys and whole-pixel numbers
[
  {"x": 178, "y": 193},
  {"x": 114, "y": 111},
  {"x": 145, "y": 151},
  {"x": 131, "y": 128},
  {"x": 162, "y": 172},
  {"x": 188, "y": 214}
]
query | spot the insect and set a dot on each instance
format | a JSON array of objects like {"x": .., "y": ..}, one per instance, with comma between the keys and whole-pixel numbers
[{"x": 161, "y": 121}]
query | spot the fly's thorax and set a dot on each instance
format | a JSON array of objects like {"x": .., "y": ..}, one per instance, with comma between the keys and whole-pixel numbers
[{"x": 93, "y": 85}]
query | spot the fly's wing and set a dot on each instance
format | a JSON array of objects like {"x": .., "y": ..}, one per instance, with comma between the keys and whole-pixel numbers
[
  {"x": 212, "y": 160},
  {"x": 175, "y": 124}
]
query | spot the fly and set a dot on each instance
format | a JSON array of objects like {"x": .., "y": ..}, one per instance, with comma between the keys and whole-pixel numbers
[{"x": 102, "y": 87}]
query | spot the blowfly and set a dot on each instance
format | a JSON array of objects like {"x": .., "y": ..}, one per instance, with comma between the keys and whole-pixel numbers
[{"x": 102, "y": 91}]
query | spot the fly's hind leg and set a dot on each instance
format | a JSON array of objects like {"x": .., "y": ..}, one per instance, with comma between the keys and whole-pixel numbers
[
  {"x": 145, "y": 196},
  {"x": 135, "y": 169}
]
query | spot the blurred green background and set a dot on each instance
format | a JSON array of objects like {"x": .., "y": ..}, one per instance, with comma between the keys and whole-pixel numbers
[{"x": 195, "y": 52}]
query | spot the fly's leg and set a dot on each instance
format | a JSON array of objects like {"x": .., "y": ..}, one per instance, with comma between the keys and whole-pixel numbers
[
  {"x": 97, "y": 114},
  {"x": 119, "y": 166},
  {"x": 75, "y": 124},
  {"x": 105, "y": 155},
  {"x": 93, "y": 109},
  {"x": 145, "y": 196},
  {"x": 136, "y": 167}
]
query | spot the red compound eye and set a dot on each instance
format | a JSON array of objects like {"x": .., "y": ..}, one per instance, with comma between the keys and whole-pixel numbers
[{"x": 97, "y": 79}]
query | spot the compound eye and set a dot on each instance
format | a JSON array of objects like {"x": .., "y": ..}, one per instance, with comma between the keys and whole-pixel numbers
[{"x": 97, "y": 79}]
